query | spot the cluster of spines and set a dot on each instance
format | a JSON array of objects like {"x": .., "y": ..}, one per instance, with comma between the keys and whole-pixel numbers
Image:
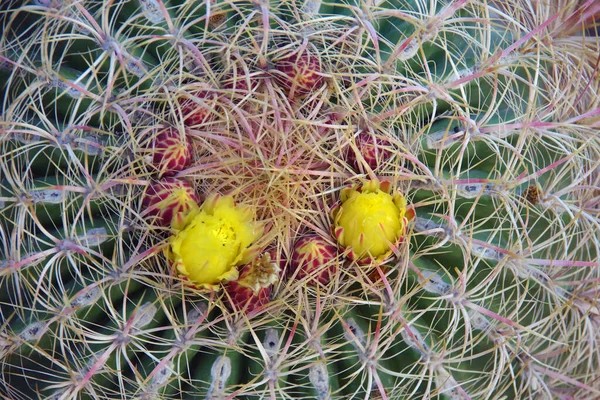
[{"x": 565, "y": 215}]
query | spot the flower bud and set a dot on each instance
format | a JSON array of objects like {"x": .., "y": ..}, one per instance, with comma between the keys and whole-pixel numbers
[
  {"x": 168, "y": 202},
  {"x": 171, "y": 152},
  {"x": 300, "y": 72},
  {"x": 314, "y": 258},
  {"x": 370, "y": 220}
]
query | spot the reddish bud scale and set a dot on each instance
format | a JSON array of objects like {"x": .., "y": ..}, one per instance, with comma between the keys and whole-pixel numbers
[
  {"x": 168, "y": 201},
  {"x": 313, "y": 258},
  {"x": 375, "y": 275},
  {"x": 196, "y": 112},
  {"x": 241, "y": 297},
  {"x": 374, "y": 150},
  {"x": 300, "y": 72},
  {"x": 171, "y": 152}
]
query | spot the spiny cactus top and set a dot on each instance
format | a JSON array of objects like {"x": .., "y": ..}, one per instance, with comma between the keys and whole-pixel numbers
[{"x": 137, "y": 135}]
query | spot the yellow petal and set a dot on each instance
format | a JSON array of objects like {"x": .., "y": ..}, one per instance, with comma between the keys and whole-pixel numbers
[{"x": 214, "y": 241}]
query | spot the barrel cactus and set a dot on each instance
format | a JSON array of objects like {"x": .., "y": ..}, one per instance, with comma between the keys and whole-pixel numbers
[{"x": 299, "y": 199}]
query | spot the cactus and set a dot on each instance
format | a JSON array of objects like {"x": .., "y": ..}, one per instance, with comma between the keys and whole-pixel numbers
[{"x": 470, "y": 273}]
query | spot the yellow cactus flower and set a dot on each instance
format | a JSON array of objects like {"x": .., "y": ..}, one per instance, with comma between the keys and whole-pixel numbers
[
  {"x": 216, "y": 239},
  {"x": 370, "y": 220}
]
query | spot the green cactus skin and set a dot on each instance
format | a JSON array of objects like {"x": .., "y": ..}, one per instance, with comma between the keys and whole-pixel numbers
[{"x": 489, "y": 115}]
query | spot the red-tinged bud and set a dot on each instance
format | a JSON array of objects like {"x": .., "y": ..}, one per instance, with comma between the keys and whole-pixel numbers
[
  {"x": 300, "y": 72},
  {"x": 171, "y": 152},
  {"x": 253, "y": 288},
  {"x": 314, "y": 259},
  {"x": 374, "y": 150},
  {"x": 168, "y": 202},
  {"x": 196, "y": 109}
]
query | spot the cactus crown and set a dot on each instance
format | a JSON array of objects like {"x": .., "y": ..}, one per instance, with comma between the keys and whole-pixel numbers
[{"x": 120, "y": 118}]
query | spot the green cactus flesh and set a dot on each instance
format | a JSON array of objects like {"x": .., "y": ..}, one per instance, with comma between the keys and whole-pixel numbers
[{"x": 487, "y": 115}]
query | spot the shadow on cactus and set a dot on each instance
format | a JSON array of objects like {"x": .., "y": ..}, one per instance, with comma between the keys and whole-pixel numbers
[{"x": 345, "y": 200}]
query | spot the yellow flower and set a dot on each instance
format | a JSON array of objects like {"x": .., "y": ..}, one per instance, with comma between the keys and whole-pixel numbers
[
  {"x": 216, "y": 238},
  {"x": 370, "y": 220}
]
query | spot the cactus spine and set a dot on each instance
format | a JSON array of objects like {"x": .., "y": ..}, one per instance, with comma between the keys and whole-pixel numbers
[{"x": 483, "y": 115}]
